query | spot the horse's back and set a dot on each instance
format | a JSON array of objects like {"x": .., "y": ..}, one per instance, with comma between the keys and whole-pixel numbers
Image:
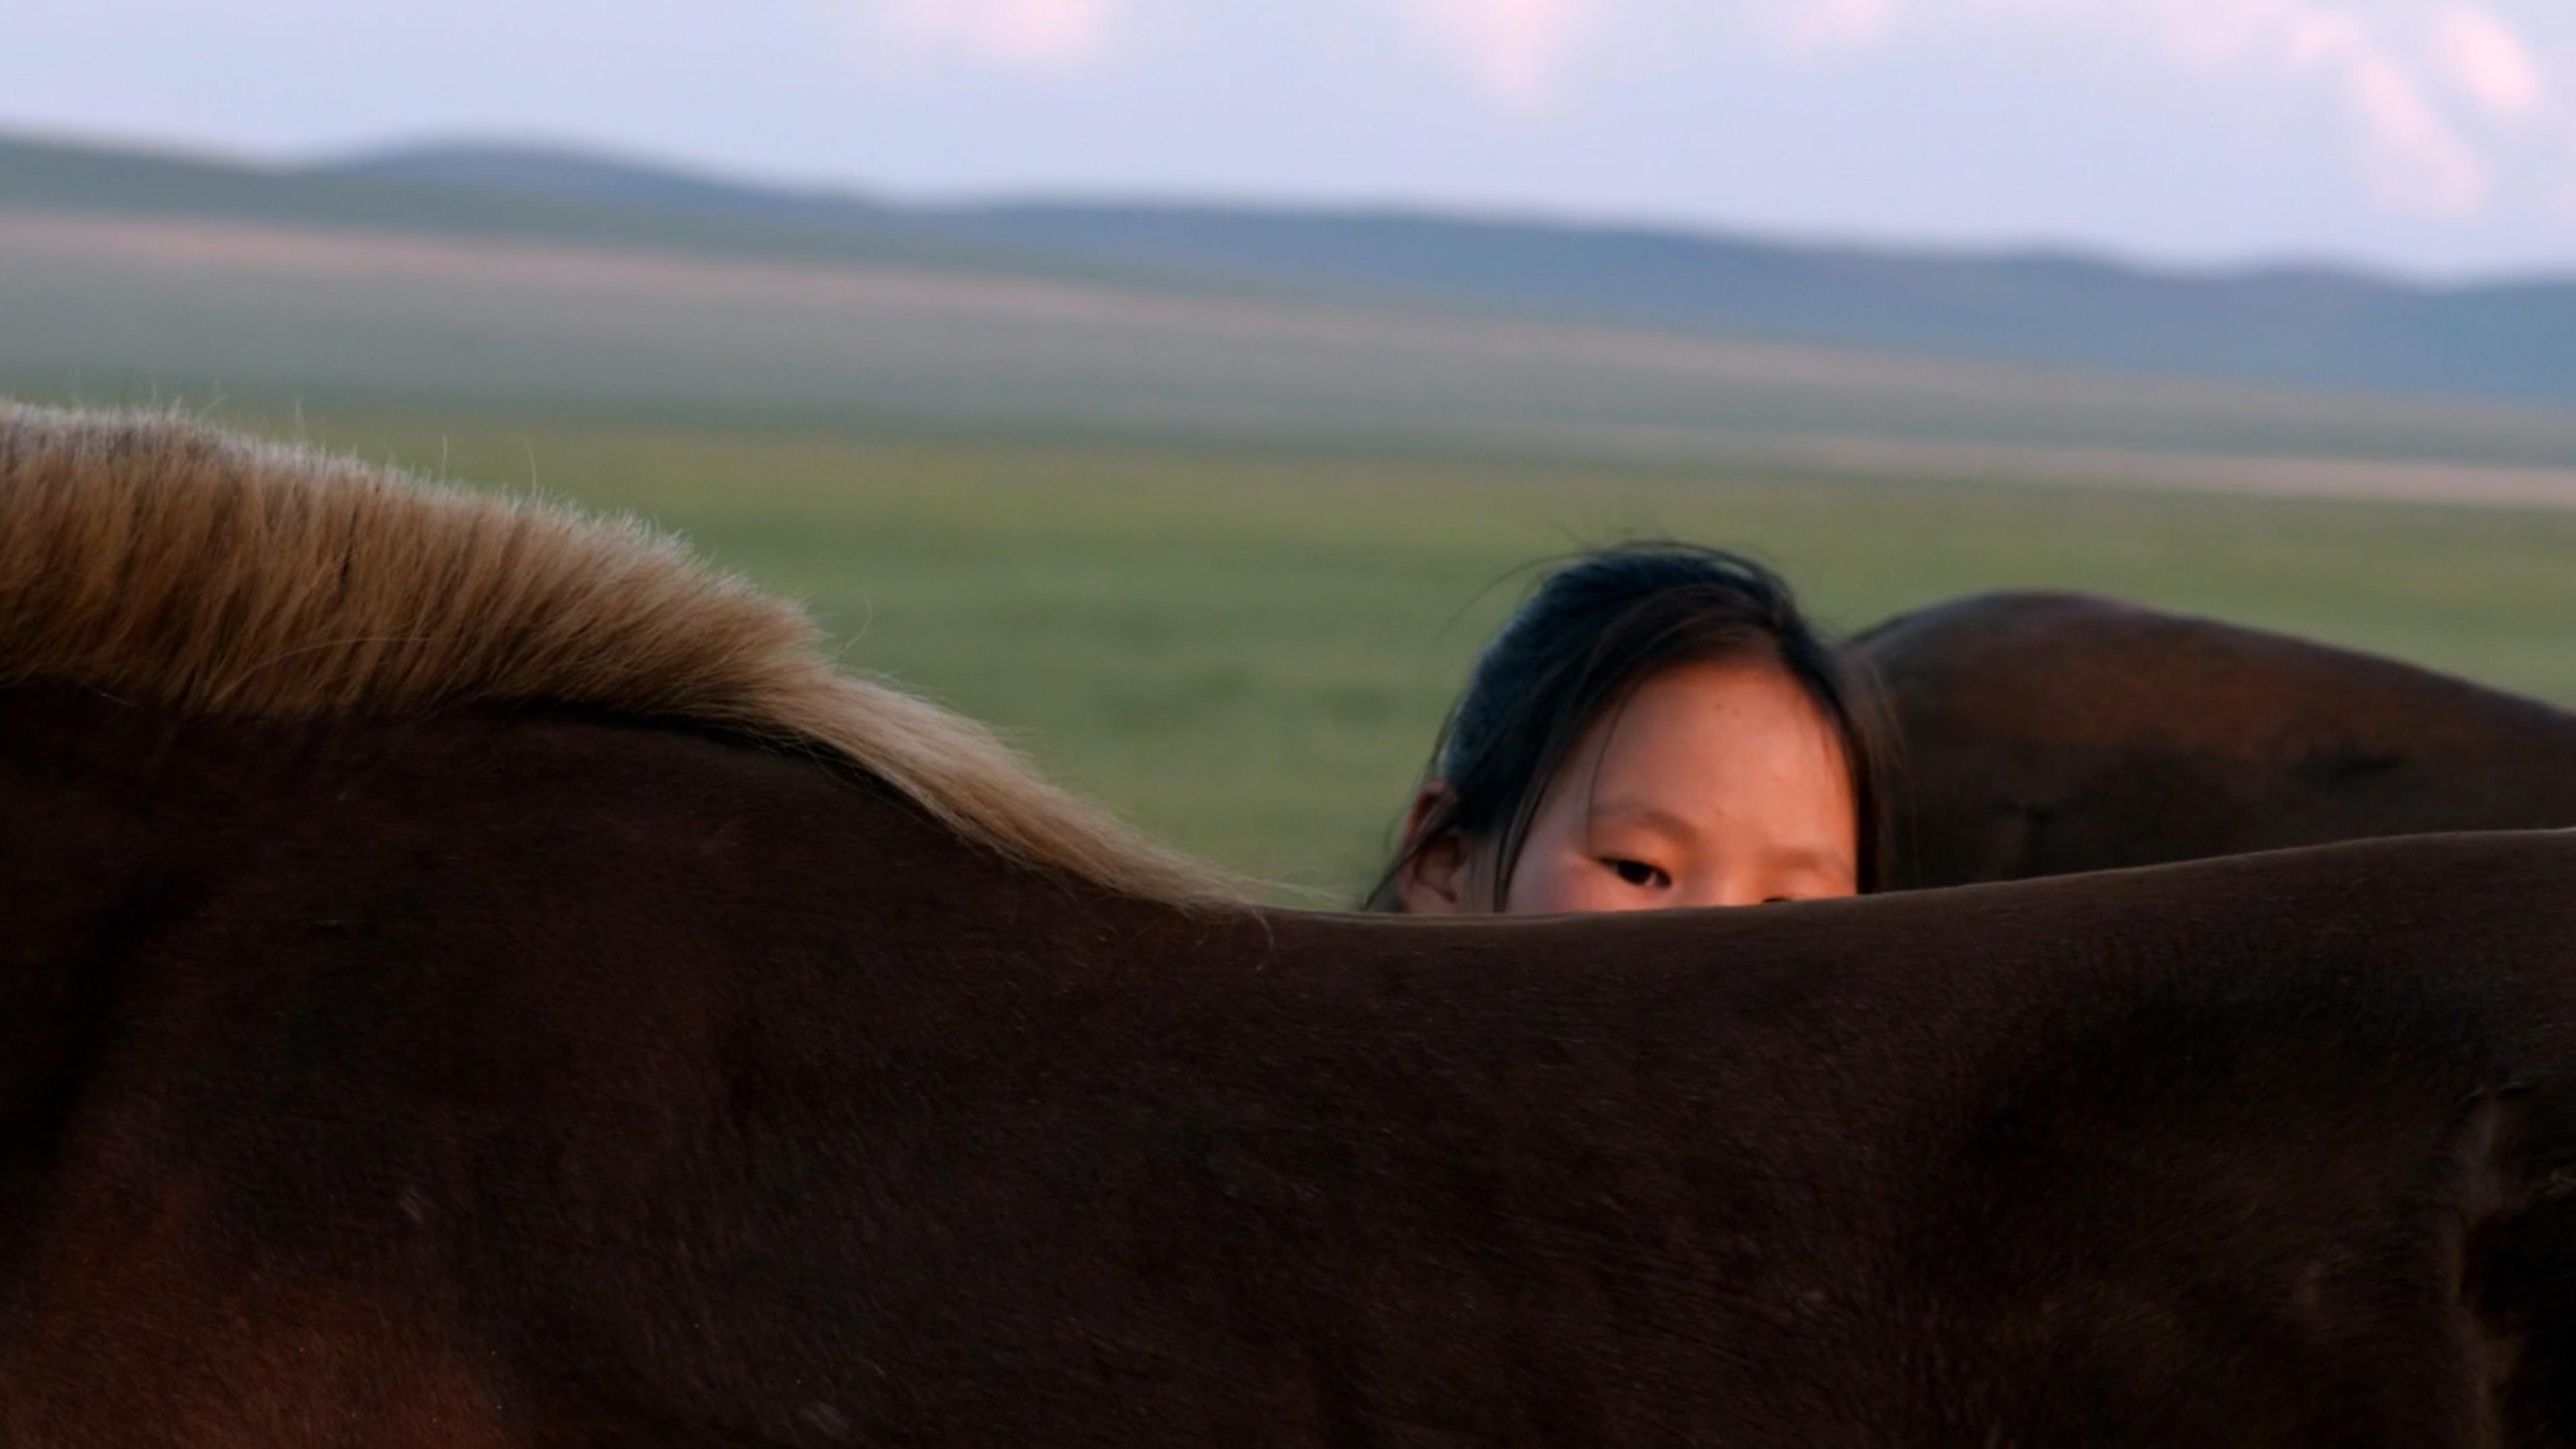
[{"x": 524, "y": 1078}]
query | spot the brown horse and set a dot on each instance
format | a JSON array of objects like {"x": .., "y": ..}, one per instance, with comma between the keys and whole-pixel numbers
[
  {"x": 468, "y": 978},
  {"x": 2045, "y": 734}
]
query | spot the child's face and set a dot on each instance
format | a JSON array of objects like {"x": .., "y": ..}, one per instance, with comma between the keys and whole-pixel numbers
[{"x": 1716, "y": 785}]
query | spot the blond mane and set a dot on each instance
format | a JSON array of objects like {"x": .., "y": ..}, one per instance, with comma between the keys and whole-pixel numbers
[{"x": 148, "y": 555}]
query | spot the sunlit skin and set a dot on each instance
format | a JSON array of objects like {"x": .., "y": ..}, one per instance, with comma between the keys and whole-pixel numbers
[{"x": 1714, "y": 785}]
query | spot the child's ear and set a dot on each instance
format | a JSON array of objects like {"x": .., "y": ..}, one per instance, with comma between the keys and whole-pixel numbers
[{"x": 1434, "y": 880}]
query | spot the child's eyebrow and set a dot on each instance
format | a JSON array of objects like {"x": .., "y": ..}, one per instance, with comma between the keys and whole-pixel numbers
[
  {"x": 1634, "y": 810},
  {"x": 1828, "y": 862}
]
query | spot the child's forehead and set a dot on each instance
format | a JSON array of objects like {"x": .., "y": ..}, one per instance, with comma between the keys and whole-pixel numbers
[{"x": 1716, "y": 698}]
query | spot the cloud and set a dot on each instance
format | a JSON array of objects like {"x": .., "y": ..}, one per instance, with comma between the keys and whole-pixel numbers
[
  {"x": 2417, "y": 159},
  {"x": 1512, "y": 46},
  {"x": 2414, "y": 152},
  {"x": 1035, "y": 35},
  {"x": 2482, "y": 56},
  {"x": 1830, "y": 24}
]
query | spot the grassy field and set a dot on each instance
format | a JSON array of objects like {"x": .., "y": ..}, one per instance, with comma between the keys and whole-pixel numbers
[
  {"x": 1222, "y": 559},
  {"x": 1247, "y": 651}
]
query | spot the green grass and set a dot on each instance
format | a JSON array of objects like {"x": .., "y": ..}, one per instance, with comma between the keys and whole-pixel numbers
[{"x": 1247, "y": 651}]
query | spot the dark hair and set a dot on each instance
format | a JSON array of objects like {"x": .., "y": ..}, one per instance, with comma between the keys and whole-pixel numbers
[{"x": 1582, "y": 643}]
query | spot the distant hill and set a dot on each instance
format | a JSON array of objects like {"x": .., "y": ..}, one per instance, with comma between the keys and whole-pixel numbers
[
  {"x": 2034, "y": 318},
  {"x": 566, "y": 176},
  {"x": 495, "y": 194},
  {"x": 2310, "y": 327}
]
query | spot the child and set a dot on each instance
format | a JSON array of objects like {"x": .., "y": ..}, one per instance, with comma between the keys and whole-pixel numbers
[{"x": 1657, "y": 726}]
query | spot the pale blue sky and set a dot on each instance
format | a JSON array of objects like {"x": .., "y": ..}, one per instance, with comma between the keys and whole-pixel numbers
[{"x": 2436, "y": 135}]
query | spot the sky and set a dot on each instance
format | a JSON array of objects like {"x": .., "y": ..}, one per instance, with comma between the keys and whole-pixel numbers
[{"x": 2431, "y": 136}]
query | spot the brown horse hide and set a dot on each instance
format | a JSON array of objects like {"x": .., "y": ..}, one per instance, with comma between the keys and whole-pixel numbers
[
  {"x": 2043, "y": 734},
  {"x": 535, "y": 1079},
  {"x": 472, "y": 978}
]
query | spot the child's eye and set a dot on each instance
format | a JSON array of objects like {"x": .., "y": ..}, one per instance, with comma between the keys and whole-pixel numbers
[{"x": 1638, "y": 873}]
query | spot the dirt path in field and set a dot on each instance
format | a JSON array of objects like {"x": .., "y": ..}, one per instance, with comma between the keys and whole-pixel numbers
[{"x": 2267, "y": 476}]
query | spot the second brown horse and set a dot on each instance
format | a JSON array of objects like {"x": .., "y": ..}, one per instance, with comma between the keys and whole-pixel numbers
[{"x": 2044, "y": 734}]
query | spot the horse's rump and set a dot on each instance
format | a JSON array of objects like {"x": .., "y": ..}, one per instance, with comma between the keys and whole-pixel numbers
[{"x": 2045, "y": 734}]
